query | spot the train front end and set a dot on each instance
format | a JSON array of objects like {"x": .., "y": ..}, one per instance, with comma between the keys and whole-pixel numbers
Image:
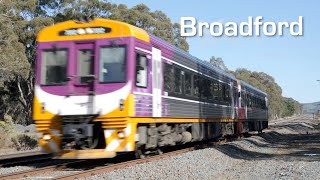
[{"x": 83, "y": 88}]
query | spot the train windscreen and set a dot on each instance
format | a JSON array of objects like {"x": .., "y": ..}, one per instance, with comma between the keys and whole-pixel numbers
[
  {"x": 112, "y": 65},
  {"x": 54, "y": 67}
]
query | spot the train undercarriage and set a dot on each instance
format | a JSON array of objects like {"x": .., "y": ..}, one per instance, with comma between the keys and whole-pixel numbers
[{"x": 149, "y": 138}]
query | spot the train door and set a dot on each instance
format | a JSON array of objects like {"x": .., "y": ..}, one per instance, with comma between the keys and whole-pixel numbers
[
  {"x": 83, "y": 83},
  {"x": 232, "y": 100},
  {"x": 241, "y": 102},
  {"x": 156, "y": 82},
  {"x": 240, "y": 109}
]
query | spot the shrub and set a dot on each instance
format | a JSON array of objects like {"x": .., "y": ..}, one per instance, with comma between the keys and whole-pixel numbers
[
  {"x": 24, "y": 142},
  {"x": 10, "y": 138},
  {"x": 5, "y": 131}
]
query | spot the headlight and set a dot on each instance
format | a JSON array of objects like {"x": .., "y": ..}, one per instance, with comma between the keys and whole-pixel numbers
[
  {"x": 121, "y": 134},
  {"x": 89, "y": 31},
  {"x": 46, "y": 137},
  {"x": 81, "y": 31}
]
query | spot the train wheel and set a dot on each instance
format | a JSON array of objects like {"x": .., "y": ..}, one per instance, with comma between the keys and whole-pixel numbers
[
  {"x": 90, "y": 144},
  {"x": 159, "y": 151},
  {"x": 139, "y": 152}
]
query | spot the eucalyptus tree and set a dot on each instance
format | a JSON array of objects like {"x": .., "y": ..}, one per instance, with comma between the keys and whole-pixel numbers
[{"x": 19, "y": 25}]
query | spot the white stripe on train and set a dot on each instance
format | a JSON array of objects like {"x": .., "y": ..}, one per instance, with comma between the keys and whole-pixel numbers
[
  {"x": 72, "y": 105},
  {"x": 114, "y": 144},
  {"x": 181, "y": 99}
]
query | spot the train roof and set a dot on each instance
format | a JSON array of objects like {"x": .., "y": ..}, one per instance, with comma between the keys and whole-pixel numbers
[
  {"x": 253, "y": 88},
  {"x": 97, "y": 28}
]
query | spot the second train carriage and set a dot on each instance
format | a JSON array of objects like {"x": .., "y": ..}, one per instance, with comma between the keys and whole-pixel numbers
[{"x": 104, "y": 87}]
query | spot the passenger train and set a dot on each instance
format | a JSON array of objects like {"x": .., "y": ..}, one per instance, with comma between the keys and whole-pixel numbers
[{"x": 105, "y": 87}]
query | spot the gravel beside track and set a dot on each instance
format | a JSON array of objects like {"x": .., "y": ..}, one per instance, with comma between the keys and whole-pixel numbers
[
  {"x": 9, "y": 170},
  {"x": 12, "y": 151},
  {"x": 54, "y": 174},
  {"x": 213, "y": 164}
]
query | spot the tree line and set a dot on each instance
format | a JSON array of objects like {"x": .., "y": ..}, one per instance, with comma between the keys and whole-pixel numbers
[{"x": 20, "y": 22}]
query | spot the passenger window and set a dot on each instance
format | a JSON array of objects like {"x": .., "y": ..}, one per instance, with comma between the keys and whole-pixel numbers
[
  {"x": 202, "y": 88},
  {"x": 242, "y": 99},
  {"x": 264, "y": 104},
  {"x": 196, "y": 91},
  {"x": 215, "y": 90},
  {"x": 249, "y": 101},
  {"x": 211, "y": 90},
  {"x": 168, "y": 78},
  {"x": 177, "y": 81},
  {"x": 207, "y": 94},
  {"x": 208, "y": 90},
  {"x": 54, "y": 67},
  {"x": 226, "y": 92},
  {"x": 141, "y": 71},
  {"x": 221, "y": 93},
  {"x": 260, "y": 103},
  {"x": 187, "y": 83}
]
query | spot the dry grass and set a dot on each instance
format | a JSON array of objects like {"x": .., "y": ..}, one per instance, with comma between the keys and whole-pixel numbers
[
  {"x": 24, "y": 142},
  {"x": 9, "y": 138},
  {"x": 5, "y": 131}
]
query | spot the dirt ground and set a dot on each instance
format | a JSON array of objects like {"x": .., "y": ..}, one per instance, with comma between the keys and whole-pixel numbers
[{"x": 295, "y": 138}]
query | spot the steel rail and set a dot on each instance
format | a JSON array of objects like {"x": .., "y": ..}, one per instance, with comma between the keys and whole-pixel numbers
[{"x": 23, "y": 158}]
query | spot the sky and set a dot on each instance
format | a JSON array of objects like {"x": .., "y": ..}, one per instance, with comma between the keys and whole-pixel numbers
[{"x": 294, "y": 62}]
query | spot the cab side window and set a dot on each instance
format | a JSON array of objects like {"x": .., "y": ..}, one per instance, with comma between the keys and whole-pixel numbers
[{"x": 141, "y": 71}]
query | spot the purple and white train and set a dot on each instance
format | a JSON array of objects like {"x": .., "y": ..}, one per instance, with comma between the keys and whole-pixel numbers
[{"x": 104, "y": 87}]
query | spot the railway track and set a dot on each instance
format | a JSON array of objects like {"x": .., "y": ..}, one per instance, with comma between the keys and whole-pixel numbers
[{"x": 23, "y": 158}]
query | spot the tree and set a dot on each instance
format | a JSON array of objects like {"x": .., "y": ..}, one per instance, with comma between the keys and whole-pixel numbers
[
  {"x": 218, "y": 62},
  {"x": 156, "y": 22},
  {"x": 291, "y": 107},
  {"x": 18, "y": 29},
  {"x": 14, "y": 65}
]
